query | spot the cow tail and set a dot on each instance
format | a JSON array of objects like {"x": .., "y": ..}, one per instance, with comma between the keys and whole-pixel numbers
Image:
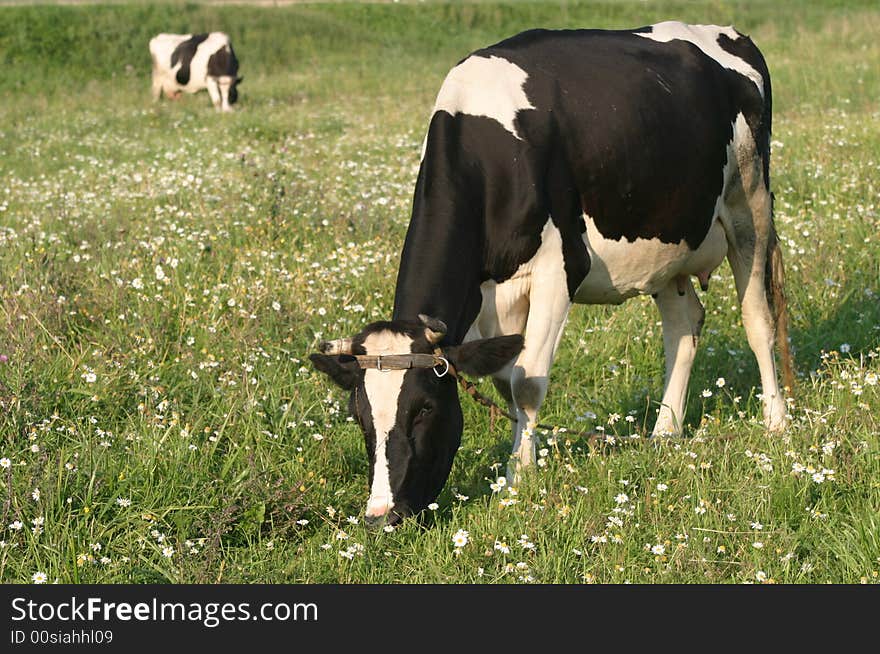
[{"x": 774, "y": 282}]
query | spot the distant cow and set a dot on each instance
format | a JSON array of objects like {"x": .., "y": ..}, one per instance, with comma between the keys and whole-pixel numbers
[
  {"x": 563, "y": 167},
  {"x": 187, "y": 62}
]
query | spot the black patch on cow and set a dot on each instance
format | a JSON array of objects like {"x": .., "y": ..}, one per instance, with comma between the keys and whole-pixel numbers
[
  {"x": 563, "y": 201},
  {"x": 441, "y": 267},
  {"x": 223, "y": 62},
  {"x": 184, "y": 54}
]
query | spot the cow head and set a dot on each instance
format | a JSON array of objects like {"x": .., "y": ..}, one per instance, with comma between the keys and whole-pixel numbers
[
  {"x": 233, "y": 90},
  {"x": 411, "y": 419}
]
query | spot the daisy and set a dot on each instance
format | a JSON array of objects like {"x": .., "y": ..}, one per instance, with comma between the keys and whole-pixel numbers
[
  {"x": 498, "y": 484},
  {"x": 461, "y": 538}
]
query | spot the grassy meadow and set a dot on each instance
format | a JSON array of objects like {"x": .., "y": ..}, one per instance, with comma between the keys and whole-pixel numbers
[{"x": 166, "y": 270}]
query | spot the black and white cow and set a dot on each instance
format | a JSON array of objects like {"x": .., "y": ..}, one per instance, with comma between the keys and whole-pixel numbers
[
  {"x": 563, "y": 167},
  {"x": 193, "y": 62}
]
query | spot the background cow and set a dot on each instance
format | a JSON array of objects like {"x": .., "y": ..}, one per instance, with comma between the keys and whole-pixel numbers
[
  {"x": 561, "y": 167},
  {"x": 186, "y": 62}
]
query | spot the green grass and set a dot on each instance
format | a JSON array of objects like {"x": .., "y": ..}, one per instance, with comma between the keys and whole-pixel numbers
[{"x": 191, "y": 262}]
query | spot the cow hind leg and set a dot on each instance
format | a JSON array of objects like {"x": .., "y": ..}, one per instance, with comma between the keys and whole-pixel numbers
[
  {"x": 751, "y": 222},
  {"x": 682, "y": 316}
]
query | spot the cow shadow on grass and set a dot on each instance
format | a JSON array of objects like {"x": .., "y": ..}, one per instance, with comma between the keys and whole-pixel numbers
[
  {"x": 852, "y": 324},
  {"x": 848, "y": 322}
]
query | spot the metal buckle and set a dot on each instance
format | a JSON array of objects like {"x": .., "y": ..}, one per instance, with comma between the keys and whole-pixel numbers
[
  {"x": 441, "y": 374},
  {"x": 379, "y": 363}
]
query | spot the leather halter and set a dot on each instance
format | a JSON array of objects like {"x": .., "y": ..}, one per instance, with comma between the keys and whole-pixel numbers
[{"x": 387, "y": 362}]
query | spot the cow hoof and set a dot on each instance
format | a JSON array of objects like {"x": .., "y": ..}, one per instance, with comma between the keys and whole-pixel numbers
[
  {"x": 665, "y": 429},
  {"x": 516, "y": 469},
  {"x": 776, "y": 425},
  {"x": 514, "y": 476},
  {"x": 775, "y": 418}
]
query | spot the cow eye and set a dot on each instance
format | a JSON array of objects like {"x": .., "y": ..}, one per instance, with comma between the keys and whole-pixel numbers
[{"x": 426, "y": 410}]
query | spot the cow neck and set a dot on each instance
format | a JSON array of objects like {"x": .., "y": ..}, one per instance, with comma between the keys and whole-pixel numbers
[{"x": 440, "y": 264}]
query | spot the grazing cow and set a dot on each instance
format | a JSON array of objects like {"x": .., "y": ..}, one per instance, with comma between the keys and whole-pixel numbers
[
  {"x": 187, "y": 62},
  {"x": 562, "y": 167}
]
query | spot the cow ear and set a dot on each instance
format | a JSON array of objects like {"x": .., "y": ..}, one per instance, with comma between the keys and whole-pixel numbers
[
  {"x": 239, "y": 80},
  {"x": 343, "y": 370},
  {"x": 485, "y": 356}
]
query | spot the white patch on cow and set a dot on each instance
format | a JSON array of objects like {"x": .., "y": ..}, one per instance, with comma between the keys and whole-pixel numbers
[
  {"x": 621, "y": 269},
  {"x": 491, "y": 87},
  {"x": 383, "y": 391},
  {"x": 705, "y": 37}
]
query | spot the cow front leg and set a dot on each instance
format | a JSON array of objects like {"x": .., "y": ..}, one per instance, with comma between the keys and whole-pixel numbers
[
  {"x": 682, "y": 316},
  {"x": 529, "y": 388},
  {"x": 530, "y": 392},
  {"x": 214, "y": 92},
  {"x": 548, "y": 312},
  {"x": 225, "y": 84},
  {"x": 156, "y": 90}
]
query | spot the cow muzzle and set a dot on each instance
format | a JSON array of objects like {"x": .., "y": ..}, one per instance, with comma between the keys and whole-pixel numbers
[{"x": 389, "y": 518}]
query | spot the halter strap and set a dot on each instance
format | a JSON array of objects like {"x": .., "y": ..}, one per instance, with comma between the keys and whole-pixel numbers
[{"x": 400, "y": 361}]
